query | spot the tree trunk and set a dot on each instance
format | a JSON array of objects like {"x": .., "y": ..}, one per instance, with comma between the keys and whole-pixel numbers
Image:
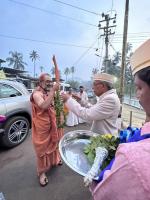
[{"x": 34, "y": 68}]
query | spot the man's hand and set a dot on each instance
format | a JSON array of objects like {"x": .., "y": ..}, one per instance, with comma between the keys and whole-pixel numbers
[
  {"x": 76, "y": 97},
  {"x": 65, "y": 97}
]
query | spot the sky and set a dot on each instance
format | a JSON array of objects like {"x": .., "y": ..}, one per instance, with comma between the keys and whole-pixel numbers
[{"x": 72, "y": 34}]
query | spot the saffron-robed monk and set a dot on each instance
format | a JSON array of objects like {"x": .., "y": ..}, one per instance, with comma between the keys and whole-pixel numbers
[{"x": 45, "y": 135}]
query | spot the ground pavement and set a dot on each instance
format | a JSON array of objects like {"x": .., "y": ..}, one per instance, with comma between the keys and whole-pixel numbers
[
  {"x": 18, "y": 180},
  {"x": 138, "y": 116}
]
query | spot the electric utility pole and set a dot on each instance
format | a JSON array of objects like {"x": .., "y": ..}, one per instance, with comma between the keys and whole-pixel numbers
[
  {"x": 107, "y": 33},
  {"x": 124, "y": 47}
]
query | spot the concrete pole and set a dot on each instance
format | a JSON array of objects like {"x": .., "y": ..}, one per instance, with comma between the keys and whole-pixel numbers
[{"x": 124, "y": 46}]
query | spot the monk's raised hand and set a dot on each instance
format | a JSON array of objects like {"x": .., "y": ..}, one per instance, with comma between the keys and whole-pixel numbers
[{"x": 56, "y": 86}]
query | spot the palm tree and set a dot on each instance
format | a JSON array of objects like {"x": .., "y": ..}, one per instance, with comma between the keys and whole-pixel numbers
[
  {"x": 116, "y": 58},
  {"x": 113, "y": 65},
  {"x": 41, "y": 68},
  {"x": 67, "y": 72},
  {"x": 34, "y": 56},
  {"x": 72, "y": 71},
  {"x": 129, "y": 48},
  {"x": 16, "y": 60}
]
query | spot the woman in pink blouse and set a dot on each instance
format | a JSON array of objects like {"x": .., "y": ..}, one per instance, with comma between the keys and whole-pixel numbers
[{"x": 129, "y": 177}]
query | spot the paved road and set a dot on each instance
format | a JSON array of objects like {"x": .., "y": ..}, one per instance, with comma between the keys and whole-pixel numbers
[{"x": 18, "y": 180}]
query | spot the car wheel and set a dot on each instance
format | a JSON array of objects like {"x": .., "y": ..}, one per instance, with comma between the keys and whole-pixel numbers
[{"x": 16, "y": 130}]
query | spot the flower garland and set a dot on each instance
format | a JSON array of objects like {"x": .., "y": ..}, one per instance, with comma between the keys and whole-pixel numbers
[
  {"x": 107, "y": 141},
  {"x": 59, "y": 108},
  {"x": 105, "y": 146}
]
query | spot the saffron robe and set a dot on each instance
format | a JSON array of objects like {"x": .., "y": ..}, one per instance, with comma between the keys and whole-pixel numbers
[{"x": 45, "y": 135}]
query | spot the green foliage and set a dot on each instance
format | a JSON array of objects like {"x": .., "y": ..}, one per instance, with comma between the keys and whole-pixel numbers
[
  {"x": 16, "y": 60},
  {"x": 114, "y": 68},
  {"x": 41, "y": 68},
  {"x": 59, "y": 110},
  {"x": 67, "y": 72},
  {"x": 34, "y": 56},
  {"x": 107, "y": 141},
  {"x": 72, "y": 71},
  {"x": 113, "y": 65},
  {"x": 73, "y": 84}
]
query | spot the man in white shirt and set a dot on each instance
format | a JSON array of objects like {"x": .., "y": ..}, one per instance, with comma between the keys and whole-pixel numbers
[{"x": 105, "y": 112}]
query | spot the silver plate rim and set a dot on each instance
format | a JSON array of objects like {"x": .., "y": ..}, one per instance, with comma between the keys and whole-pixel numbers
[{"x": 75, "y": 132}]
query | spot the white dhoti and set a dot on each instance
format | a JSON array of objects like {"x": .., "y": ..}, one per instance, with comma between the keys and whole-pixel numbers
[{"x": 71, "y": 119}]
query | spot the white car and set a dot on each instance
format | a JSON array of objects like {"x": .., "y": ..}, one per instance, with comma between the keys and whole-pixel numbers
[{"x": 15, "y": 113}]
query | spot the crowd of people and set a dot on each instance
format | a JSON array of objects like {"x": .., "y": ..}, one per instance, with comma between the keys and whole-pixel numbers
[{"x": 128, "y": 178}]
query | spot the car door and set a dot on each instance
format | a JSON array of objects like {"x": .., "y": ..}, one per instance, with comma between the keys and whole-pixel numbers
[{"x": 17, "y": 109}]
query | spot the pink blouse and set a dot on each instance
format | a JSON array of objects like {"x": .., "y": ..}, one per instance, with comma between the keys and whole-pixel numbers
[{"x": 129, "y": 178}]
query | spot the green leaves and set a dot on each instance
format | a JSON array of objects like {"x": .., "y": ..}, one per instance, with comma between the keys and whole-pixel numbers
[
  {"x": 91, "y": 157},
  {"x": 107, "y": 141},
  {"x": 59, "y": 110}
]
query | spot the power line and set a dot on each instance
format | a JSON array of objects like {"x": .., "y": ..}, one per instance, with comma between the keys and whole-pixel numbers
[
  {"x": 77, "y": 61},
  {"x": 112, "y": 5},
  {"x": 98, "y": 44},
  {"x": 100, "y": 63},
  {"x": 111, "y": 10},
  {"x": 112, "y": 47},
  {"x": 107, "y": 32},
  {"x": 45, "y": 42},
  {"x": 51, "y": 12},
  {"x": 133, "y": 39},
  {"x": 128, "y": 41},
  {"x": 115, "y": 40},
  {"x": 138, "y": 33},
  {"x": 132, "y": 36},
  {"x": 79, "y": 8}
]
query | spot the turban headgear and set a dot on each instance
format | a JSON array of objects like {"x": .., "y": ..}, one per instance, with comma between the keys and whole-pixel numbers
[{"x": 104, "y": 77}]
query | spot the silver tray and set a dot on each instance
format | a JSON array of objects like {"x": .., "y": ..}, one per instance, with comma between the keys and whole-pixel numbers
[{"x": 71, "y": 150}]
